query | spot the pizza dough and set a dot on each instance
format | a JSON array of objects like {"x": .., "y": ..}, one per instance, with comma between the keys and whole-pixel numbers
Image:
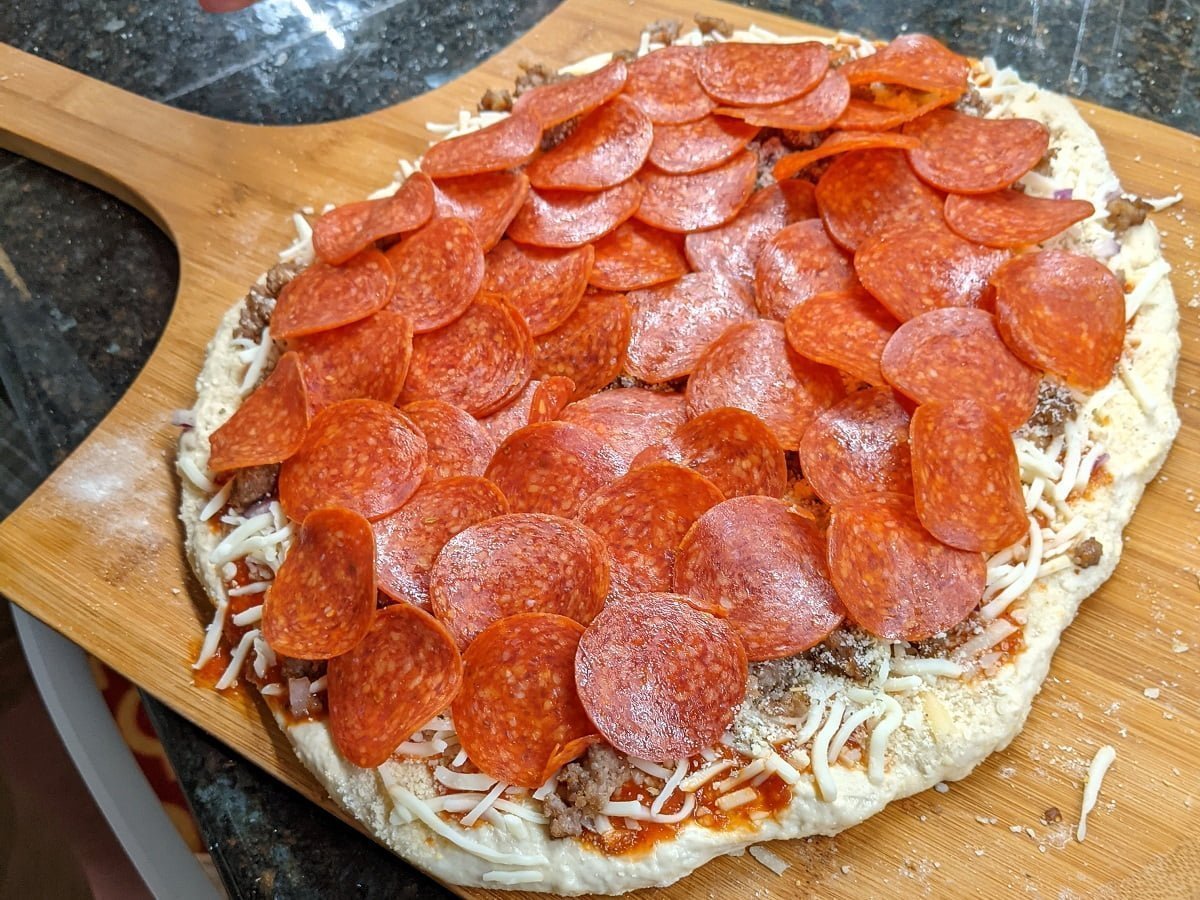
[{"x": 907, "y": 720}]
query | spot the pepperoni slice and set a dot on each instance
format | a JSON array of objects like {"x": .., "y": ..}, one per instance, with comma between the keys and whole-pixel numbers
[
  {"x": 518, "y": 715},
  {"x": 368, "y": 359},
  {"x": 730, "y": 447},
  {"x": 408, "y": 541},
  {"x": 842, "y": 142},
  {"x": 858, "y": 446},
  {"x": 844, "y": 329},
  {"x": 506, "y": 144},
  {"x": 696, "y": 146},
  {"x": 403, "y": 673},
  {"x": 673, "y": 324},
  {"x": 740, "y": 74},
  {"x": 458, "y": 445},
  {"x": 589, "y": 348},
  {"x": 351, "y": 228},
  {"x": 552, "y": 467},
  {"x": 872, "y": 192},
  {"x": 606, "y": 148},
  {"x": 438, "y": 273},
  {"x": 926, "y": 267},
  {"x": 1063, "y": 313},
  {"x": 890, "y": 109},
  {"x": 660, "y": 679},
  {"x": 814, "y": 111},
  {"x": 518, "y": 563},
  {"x": 1012, "y": 218},
  {"x": 360, "y": 454},
  {"x": 553, "y": 104},
  {"x": 912, "y": 60},
  {"x": 544, "y": 285},
  {"x": 895, "y": 579},
  {"x": 970, "y": 155},
  {"x": 322, "y": 601},
  {"x": 642, "y": 517},
  {"x": 664, "y": 86},
  {"x": 966, "y": 480},
  {"x": 324, "y": 297},
  {"x": 799, "y": 262},
  {"x": 764, "y": 567},
  {"x": 694, "y": 202},
  {"x": 479, "y": 362},
  {"x": 949, "y": 354},
  {"x": 637, "y": 256},
  {"x": 733, "y": 249},
  {"x": 486, "y": 202},
  {"x": 270, "y": 424},
  {"x": 572, "y": 218},
  {"x": 539, "y": 401},
  {"x": 630, "y": 419},
  {"x": 752, "y": 367}
]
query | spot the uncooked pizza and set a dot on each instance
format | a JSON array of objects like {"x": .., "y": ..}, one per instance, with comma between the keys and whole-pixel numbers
[{"x": 699, "y": 445}]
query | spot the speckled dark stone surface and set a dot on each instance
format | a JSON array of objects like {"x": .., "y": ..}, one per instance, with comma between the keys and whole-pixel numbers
[{"x": 90, "y": 282}]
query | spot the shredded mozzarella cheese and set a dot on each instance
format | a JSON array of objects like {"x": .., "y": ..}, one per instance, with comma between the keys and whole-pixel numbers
[
  {"x": 239, "y": 659},
  {"x": 820, "y": 752},
  {"x": 681, "y": 768},
  {"x": 772, "y": 861},
  {"x": 483, "y": 805},
  {"x": 1091, "y": 788}
]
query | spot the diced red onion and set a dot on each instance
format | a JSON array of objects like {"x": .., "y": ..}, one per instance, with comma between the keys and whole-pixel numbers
[
  {"x": 1064, "y": 194},
  {"x": 298, "y": 697},
  {"x": 257, "y": 508},
  {"x": 183, "y": 418},
  {"x": 1107, "y": 249}
]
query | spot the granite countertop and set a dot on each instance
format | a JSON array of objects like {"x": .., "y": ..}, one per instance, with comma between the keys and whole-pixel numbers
[{"x": 86, "y": 283}]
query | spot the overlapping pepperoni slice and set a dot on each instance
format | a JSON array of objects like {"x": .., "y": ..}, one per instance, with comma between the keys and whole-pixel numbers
[
  {"x": 573, "y": 218},
  {"x": 926, "y": 267},
  {"x": 674, "y": 323},
  {"x": 324, "y": 297},
  {"x": 1012, "y": 218},
  {"x": 486, "y": 202},
  {"x": 518, "y": 563},
  {"x": 438, "y": 272},
  {"x": 409, "y": 540},
  {"x": 541, "y": 400},
  {"x": 949, "y": 354},
  {"x": 658, "y": 678},
  {"x": 740, "y": 74},
  {"x": 606, "y": 148},
  {"x": 544, "y": 285},
  {"x": 971, "y": 155},
  {"x": 637, "y": 256},
  {"x": 895, "y": 579},
  {"x": 858, "y": 446},
  {"x": 664, "y": 86},
  {"x": 630, "y": 419},
  {"x": 764, "y": 568},
  {"x": 873, "y": 192},
  {"x": 503, "y": 145},
  {"x": 1063, "y": 313},
  {"x": 403, "y": 673},
  {"x": 322, "y": 601},
  {"x": 642, "y": 517},
  {"x": 270, "y": 424},
  {"x": 479, "y": 362},
  {"x": 553, "y": 104},
  {"x": 351, "y": 228},
  {"x": 368, "y": 358},
  {"x": 552, "y": 467},
  {"x": 589, "y": 348},
  {"x": 695, "y": 202},
  {"x": 912, "y": 60},
  {"x": 458, "y": 445},
  {"x": 799, "y": 262},
  {"x": 730, "y": 447},
  {"x": 889, "y": 109},
  {"x": 359, "y": 454},
  {"x": 752, "y": 367},
  {"x": 519, "y": 679},
  {"x": 844, "y": 329},
  {"x": 966, "y": 480},
  {"x": 814, "y": 111},
  {"x": 699, "y": 145},
  {"x": 842, "y": 142}
]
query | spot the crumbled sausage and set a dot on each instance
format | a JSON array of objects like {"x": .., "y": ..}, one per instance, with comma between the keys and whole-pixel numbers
[
  {"x": 713, "y": 25},
  {"x": 1045, "y": 164},
  {"x": 664, "y": 31},
  {"x": 972, "y": 102},
  {"x": 1124, "y": 213},
  {"x": 847, "y": 651},
  {"x": 1087, "y": 553},
  {"x": 255, "y": 314},
  {"x": 556, "y": 134},
  {"x": 279, "y": 275},
  {"x": 627, "y": 55},
  {"x": 290, "y": 667},
  {"x": 496, "y": 101},
  {"x": 1055, "y": 408},
  {"x": 769, "y": 148},
  {"x": 535, "y": 75},
  {"x": 253, "y": 483},
  {"x": 583, "y": 787}
]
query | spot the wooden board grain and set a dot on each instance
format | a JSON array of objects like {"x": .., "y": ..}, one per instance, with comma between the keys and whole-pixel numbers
[{"x": 96, "y": 551}]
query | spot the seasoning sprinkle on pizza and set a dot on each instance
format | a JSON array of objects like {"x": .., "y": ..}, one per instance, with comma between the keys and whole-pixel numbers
[{"x": 698, "y": 446}]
